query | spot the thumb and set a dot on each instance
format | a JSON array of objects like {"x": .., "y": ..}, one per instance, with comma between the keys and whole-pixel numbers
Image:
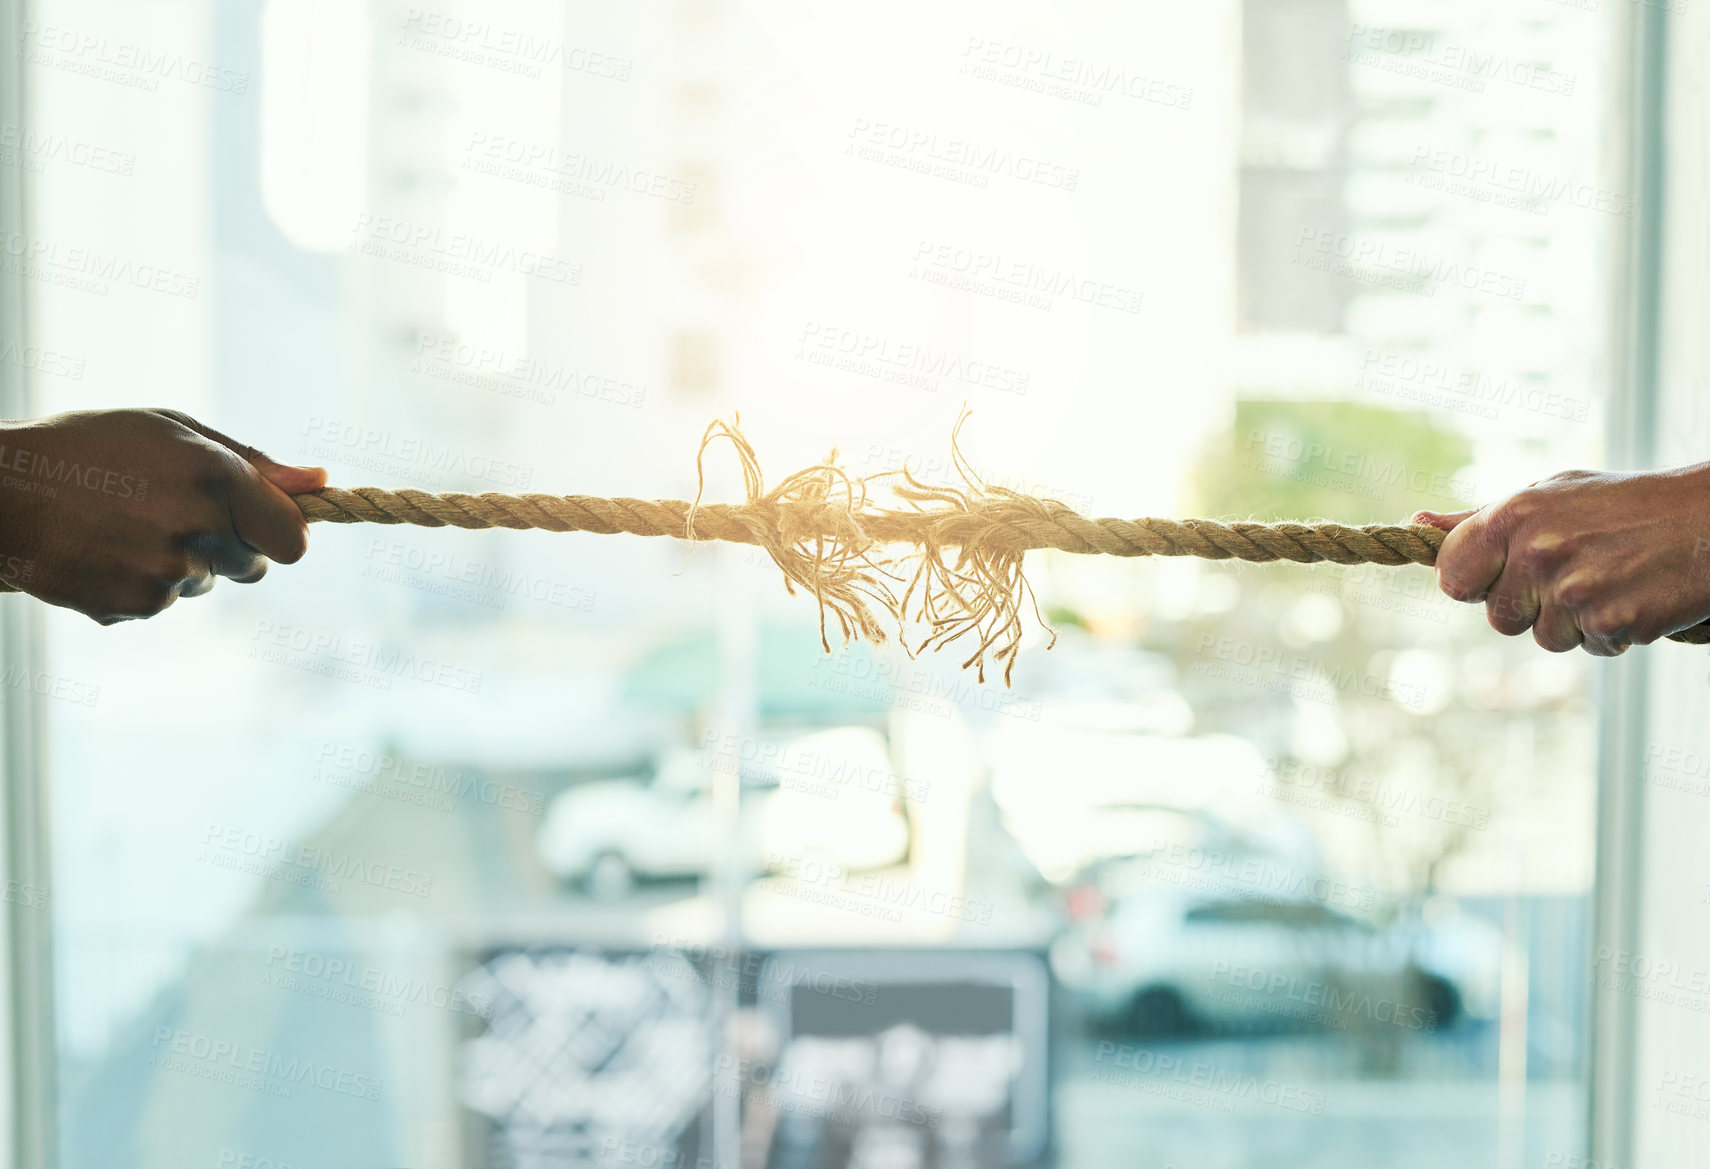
[
  {"x": 1443, "y": 521},
  {"x": 290, "y": 479}
]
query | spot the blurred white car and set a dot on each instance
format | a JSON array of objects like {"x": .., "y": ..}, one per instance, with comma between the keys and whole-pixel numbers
[
  {"x": 1170, "y": 961},
  {"x": 830, "y": 794},
  {"x": 1074, "y": 797}
]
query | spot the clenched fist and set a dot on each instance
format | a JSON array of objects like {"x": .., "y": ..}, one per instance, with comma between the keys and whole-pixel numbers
[
  {"x": 118, "y": 513},
  {"x": 1602, "y": 560}
]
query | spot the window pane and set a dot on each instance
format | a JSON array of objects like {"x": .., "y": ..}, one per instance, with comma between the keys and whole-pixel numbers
[{"x": 513, "y": 849}]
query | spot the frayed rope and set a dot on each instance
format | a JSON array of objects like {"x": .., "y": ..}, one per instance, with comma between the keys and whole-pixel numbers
[{"x": 958, "y": 568}]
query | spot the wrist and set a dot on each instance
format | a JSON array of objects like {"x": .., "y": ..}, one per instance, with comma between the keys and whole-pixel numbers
[{"x": 18, "y": 505}]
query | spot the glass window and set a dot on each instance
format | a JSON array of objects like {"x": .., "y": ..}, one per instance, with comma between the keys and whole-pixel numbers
[{"x": 512, "y": 849}]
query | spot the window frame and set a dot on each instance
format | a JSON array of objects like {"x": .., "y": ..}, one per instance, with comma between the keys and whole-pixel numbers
[
  {"x": 28, "y": 1054},
  {"x": 1622, "y": 692}
]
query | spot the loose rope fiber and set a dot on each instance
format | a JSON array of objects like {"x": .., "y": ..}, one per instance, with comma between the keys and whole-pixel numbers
[{"x": 961, "y": 571}]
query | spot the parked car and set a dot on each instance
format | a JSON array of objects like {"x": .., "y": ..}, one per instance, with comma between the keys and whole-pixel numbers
[
  {"x": 1162, "y": 960},
  {"x": 1075, "y": 798},
  {"x": 831, "y": 794}
]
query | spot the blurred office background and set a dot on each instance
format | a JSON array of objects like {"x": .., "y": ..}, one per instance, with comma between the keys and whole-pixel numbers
[{"x": 523, "y": 850}]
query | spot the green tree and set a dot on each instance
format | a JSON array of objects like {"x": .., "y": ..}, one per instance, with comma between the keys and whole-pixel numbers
[{"x": 1342, "y": 461}]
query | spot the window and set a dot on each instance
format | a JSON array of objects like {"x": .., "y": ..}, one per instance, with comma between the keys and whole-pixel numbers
[{"x": 448, "y": 848}]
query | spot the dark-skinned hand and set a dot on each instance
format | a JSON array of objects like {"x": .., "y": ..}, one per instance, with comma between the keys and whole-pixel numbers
[{"x": 118, "y": 513}]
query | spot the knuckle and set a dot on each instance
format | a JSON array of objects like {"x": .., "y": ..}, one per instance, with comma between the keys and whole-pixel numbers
[
  {"x": 1576, "y": 593},
  {"x": 1457, "y": 587},
  {"x": 1516, "y": 509},
  {"x": 1507, "y": 619},
  {"x": 1643, "y": 633},
  {"x": 1606, "y": 625},
  {"x": 214, "y": 461},
  {"x": 169, "y": 414},
  {"x": 174, "y": 569},
  {"x": 1538, "y": 556},
  {"x": 1528, "y": 556},
  {"x": 294, "y": 546},
  {"x": 153, "y": 597}
]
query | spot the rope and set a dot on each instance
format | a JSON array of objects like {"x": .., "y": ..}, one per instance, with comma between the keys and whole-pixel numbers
[
  {"x": 962, "y": 573},
  {"x": 1021, "y": 524},
  {"x": 823, "y": 530}
]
